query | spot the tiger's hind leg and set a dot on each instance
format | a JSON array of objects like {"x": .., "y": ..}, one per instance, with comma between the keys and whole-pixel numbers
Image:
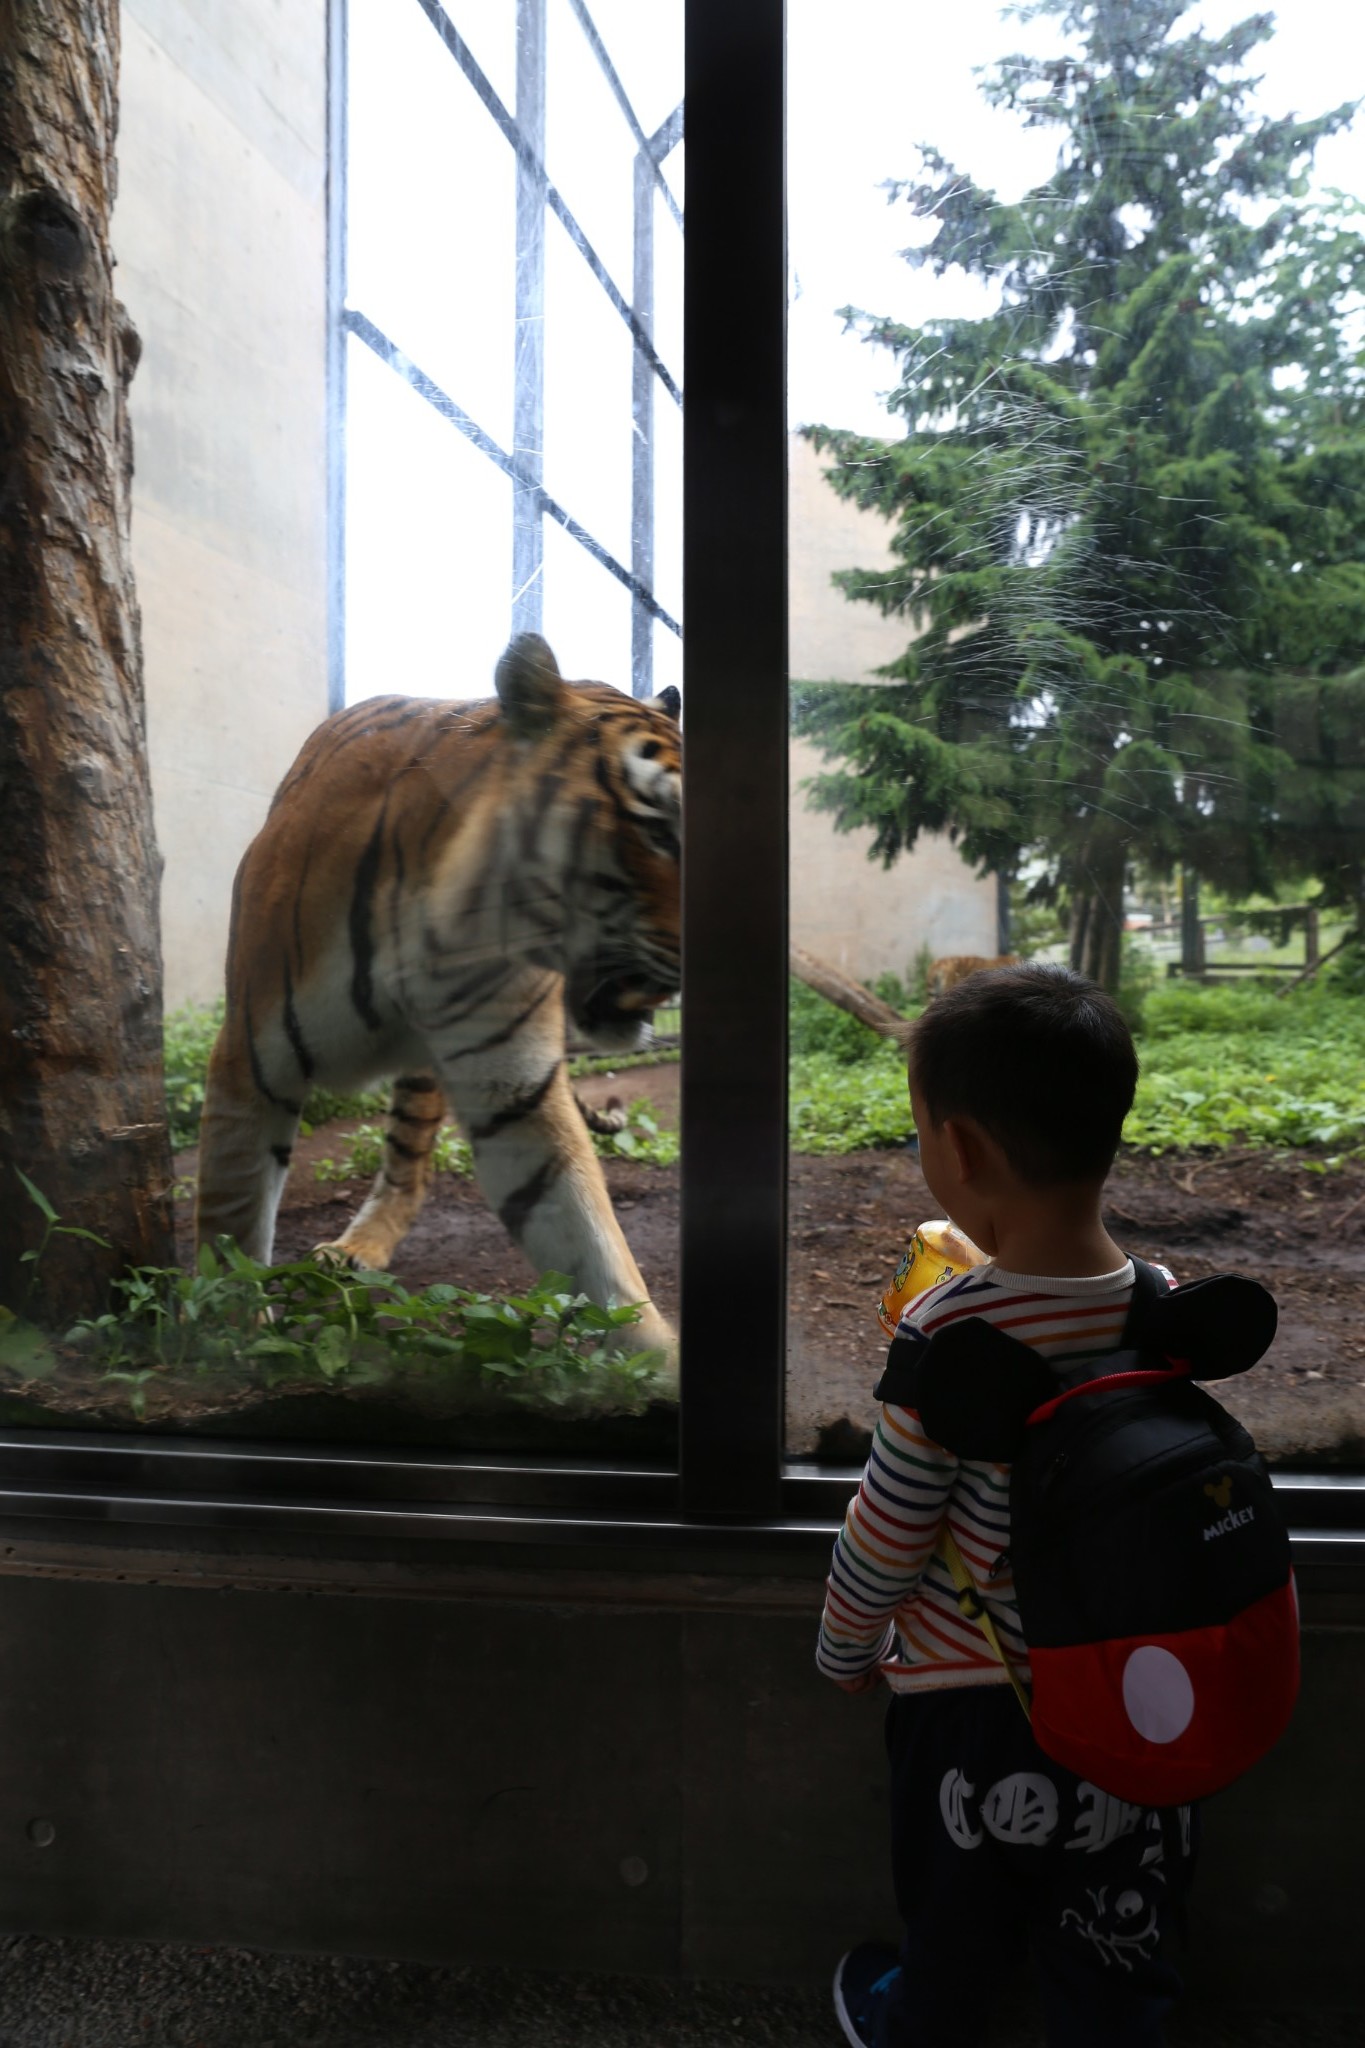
[
  {"x": 246, "y": 1137},
  {"x": 416, "y": 1112}
]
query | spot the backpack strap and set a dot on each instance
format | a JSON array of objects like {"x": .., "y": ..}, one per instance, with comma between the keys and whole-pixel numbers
[
  {"x": 1149, "y": 1286},
  {"x": 901, "y": 1381},
  {"x": 973, "y": 1608}
]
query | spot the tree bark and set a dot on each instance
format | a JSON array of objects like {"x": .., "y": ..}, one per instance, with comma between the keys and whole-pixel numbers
[
  {"x": 82, "y": 1100},
  {"x": 1097, "y": 922},
  {"x": 1192, "y": 956},
  {"x": 849, "y": 995}
]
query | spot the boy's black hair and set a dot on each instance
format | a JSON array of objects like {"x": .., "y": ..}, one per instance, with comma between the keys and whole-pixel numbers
[{"x": 1040, "y": 1057}]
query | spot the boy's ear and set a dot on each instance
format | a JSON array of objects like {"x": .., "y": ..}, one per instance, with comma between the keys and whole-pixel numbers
[
  {"x": 972, "y": 1387},
  {"x": 960, "y": 1139}
]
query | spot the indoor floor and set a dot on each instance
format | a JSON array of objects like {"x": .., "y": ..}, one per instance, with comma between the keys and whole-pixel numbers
[{"x": 70, "y": 1994}]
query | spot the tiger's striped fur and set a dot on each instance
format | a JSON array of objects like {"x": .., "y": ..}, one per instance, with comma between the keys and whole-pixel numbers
[
  {"x": 955, "y": 967},
  {"x": 435, "y": 884}
]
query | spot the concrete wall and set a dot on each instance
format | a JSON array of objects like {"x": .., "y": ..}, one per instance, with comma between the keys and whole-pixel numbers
[
  {"x": 850, "y": 911},
  {"x": 220, "y": 236},
  {"x": 537, "y": 1766}
]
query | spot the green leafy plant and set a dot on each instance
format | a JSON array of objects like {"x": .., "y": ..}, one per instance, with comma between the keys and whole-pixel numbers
[
  {"x": 361, "y": 1154},
  {"x": 23, "y": 1346},
  {"x": 361, "y": 1151},
  {"x": 189, "y": 1035},
  {"x": 836, "y": 1105},
  {"x": 307, "y": 1323},
  {"x": 584, "y": 1063},
  {"x": 1223, "y": 1066},
  {"x": 229, "y": 1320},
  {"x": 1219, "y": 1066},
  {"x": 819, "y": 1028},
  {"x": 1137, "y": 981},
  {"x": 644, "y": 1138}
]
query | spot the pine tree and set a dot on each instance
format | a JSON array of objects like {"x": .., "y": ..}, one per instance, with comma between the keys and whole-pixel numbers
[{"x": 1128, "y": 509}]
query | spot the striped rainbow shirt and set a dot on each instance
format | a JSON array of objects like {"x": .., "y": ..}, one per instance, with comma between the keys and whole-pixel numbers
[{"x": 890, "y": 1598}]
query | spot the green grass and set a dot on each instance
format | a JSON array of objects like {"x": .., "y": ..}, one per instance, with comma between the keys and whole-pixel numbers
[
  {"x": 1220, "y": 1065},
  {"x": 1225, "y": 1066},
  {"x": 837, "y": 1105}
]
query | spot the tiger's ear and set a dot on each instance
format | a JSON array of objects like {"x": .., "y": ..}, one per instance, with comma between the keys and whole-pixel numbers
[
  {"x": 529, "y": 685},
  {"x": 669, "y": 701}
]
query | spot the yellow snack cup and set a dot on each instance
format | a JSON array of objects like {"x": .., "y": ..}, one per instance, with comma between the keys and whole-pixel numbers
[{"x": 937, "y": 1251}]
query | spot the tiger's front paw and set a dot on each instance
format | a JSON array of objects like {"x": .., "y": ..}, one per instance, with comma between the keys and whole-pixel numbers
[
  {"x": 654, "y": 1332},
  {"x": 352, "y": 1255}
]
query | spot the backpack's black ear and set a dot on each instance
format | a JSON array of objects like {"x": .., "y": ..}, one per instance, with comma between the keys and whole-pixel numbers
[
  {"x": 1220, "y": 1326},
  {"x": 972, "y": 1387}
]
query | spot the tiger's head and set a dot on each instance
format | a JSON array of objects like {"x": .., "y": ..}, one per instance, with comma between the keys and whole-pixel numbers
[{"x": 606, "y": 788}]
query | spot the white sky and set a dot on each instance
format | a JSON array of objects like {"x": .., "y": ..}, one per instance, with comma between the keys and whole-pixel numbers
[
  {"x": 432, "y": 198},
  {"x": 898, "y": 72}
]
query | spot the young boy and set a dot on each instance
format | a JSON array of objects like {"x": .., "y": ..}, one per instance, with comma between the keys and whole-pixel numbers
[{"x": 1020, "y": 1079}]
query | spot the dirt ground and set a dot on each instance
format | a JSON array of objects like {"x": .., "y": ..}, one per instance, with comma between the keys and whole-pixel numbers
[{"x": 1266, "y": 1214}]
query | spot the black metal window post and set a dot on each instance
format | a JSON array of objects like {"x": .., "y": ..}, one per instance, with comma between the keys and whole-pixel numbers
[{"x": 734, "y": 1081}]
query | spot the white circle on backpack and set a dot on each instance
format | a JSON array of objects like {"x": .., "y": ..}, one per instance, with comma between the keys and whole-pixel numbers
[{"x": 1157, "y": 1694}]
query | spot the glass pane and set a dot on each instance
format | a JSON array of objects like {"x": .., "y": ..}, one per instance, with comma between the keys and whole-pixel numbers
[
  {"x": 588, "y": 437},
  {"x": 589, "y": 147},
  {"x": 488, "y": 29},
  {"x": 417, "y": 235},
  {"x": 587, "y": 611},
  {"x": 1076, "y": 649},
  {"x": 421, "y": 896},
  {"x": 427, "y": 519}
]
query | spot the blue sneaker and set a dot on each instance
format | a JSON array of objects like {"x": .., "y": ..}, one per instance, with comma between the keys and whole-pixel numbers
[{"x": 861, "y": 1984}]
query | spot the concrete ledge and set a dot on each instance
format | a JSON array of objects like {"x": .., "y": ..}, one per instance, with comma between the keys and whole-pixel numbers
[{"x": 642, "y": 1765}]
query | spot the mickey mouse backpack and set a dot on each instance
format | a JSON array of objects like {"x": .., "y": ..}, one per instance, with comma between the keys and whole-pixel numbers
[{"x": 1150, "y": 1561}]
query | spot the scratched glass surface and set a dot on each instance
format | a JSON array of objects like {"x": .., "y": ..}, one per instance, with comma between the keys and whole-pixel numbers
[
  {"x": 424, "y": 1126},
  {"x": 1078, "y": 645}
]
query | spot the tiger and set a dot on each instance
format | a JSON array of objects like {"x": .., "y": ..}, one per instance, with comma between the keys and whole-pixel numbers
[
  {"x": 955, "y": 967},
  {"x": 435, "y": 886}
]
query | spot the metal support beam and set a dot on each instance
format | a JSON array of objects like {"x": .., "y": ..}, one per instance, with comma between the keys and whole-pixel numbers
[
  {"x": 648, "y": 158},
  {"x": 642, "y": 435},
  {"x": 734, "y": 1110},
  {"x": 337, "y": 131},
  {"x": 528, "y": 429}
]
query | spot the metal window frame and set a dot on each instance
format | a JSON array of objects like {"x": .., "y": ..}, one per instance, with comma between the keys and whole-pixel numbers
[{"x": 734, "y": 1502}]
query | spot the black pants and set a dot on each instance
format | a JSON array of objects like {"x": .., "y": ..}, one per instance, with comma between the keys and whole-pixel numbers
[{"x": 997, "y": 1853}]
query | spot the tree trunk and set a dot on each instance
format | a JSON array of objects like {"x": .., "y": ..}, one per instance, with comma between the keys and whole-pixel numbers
[
  {"x": 848, "y": 995},
  {"x": 82, "y": 1101},
  {"x": 1097, "y": 922},
  {"x": 1192, "y": 956}
]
